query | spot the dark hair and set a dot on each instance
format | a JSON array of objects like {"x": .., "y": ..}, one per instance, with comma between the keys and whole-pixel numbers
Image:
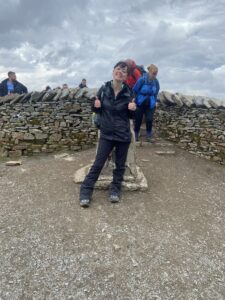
[
  {"x": 121, "y": 64},
  {"x": 11, "y": 73},
  {"x": 84, "y": 79}
]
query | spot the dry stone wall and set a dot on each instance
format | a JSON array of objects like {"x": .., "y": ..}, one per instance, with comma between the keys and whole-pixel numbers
[
  {"x": 44, "y": 122},
  {"x": 194, "y": 123}
]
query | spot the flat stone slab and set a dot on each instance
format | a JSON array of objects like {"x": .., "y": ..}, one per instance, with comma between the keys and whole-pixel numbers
[
  {"x": 64, "y": 156},
  {"x": 129, "y": 184},
  {"x": 164, "y": 144},
  {"x": 61, "y": 155},
  {"x": 13, "y": 163},
  {"x": 165, "y": 152}
]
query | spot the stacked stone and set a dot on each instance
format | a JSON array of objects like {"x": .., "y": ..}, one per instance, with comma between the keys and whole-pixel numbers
[
  {"x": 169, "y": 99},
  {"x": 44, "y": 122},
  {"x": 195, "y": 123}
]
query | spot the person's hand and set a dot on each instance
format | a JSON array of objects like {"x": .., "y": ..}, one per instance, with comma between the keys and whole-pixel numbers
[
  {"x": 132, "y": 105},
  {"x": 97, "y": 103}
]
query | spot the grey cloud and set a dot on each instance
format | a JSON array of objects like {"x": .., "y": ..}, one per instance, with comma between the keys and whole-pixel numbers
[{"x": 63, "y": 41}]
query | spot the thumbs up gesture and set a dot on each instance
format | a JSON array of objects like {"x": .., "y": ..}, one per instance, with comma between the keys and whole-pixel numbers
[
  {"x": 132, "y": 105},
  {"x": 97, "y": 103}
]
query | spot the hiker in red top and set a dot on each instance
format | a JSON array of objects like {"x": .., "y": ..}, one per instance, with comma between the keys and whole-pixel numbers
[{"x": 134, "y": 73}]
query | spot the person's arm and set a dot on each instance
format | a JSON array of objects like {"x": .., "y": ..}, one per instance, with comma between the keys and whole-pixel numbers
[
  {"x": 131, "y": 108},
  {"x": 157, "y": 91},
  {"x": 154, "y": 92},
  {"x": 138, "y": 85},
  {"x": 98, "y": 97},
  {"x": 131, "y": 114},
  {"x": 154, "y": 88},
  {"x": 24, "y": 88},
  {"x": 19, "y": 88},
  {"x": 157, "y": 87},
  {"x": 1, "y": 89}
]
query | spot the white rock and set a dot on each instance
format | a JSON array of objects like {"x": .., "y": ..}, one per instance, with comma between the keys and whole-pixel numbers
[
  {"x": 61, "y": 155},
  {"x": 165, "y": 152},
  {"x": 134, "y": 262},
  {"x": 116, "y": 247},
  {"x": 168, "y": 97},
  {"x": 177, "y": 99},
  {"x": 13, "y": 163},
  {"x": 187, "y": 100},
  {"x": 69, "y": 158}
]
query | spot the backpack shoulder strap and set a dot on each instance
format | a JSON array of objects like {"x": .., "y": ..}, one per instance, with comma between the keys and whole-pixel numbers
[
  {"x": 103, "y": 91},
  {"x": 144, "y": 80},
  {"x": 100, "y": 92},
  {"x": 145, "y": 77}
]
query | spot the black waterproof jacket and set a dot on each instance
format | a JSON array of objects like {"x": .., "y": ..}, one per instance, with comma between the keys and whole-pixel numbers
[
  {"x": 114, "y": 112},
  {"x": 19, "y": 88}
]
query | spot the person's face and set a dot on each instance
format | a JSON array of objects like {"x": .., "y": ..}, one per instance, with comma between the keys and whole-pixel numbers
[
  {"x": 84, "y": 82},
  {"x": 65, "y": 86},
  {"x": 153, "y": 73},
  {"x": 120, "y": 73},
  {"x": 12, "y": 76}
]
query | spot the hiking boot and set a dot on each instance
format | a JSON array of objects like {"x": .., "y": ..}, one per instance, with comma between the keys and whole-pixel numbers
[
  {"x": 114, "y": 197},
  {"x": 149, "y": 137},
  {"x": 85, "y": 202}
]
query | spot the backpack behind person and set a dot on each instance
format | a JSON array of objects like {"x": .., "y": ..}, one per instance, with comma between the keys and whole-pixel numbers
[
  {"x": 133, "y": 73},
  {"x": 141, "y": 68}
]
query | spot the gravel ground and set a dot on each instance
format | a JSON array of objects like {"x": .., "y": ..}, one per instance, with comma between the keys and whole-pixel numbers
[{"x": 166, "y": 243}]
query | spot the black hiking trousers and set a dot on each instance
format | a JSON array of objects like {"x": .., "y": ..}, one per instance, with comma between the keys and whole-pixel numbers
[
  {"x": 142, "y": 110},
  {"x": 105, "y": 147}
]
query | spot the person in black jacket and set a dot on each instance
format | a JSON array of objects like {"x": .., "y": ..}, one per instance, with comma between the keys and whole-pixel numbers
[
  {"x": 83, "y": 83},
  {"x": 11, "y": 86},
  {"x": 116, "y": 107}
]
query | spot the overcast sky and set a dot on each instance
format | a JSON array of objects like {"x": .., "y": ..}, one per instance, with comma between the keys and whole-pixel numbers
[{"x": 51, "y": 42}]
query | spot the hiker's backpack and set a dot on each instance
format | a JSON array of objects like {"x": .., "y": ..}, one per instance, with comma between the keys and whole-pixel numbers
[
  {"x": 141, "y": 69},
  {"x": 96, "y": 117}
]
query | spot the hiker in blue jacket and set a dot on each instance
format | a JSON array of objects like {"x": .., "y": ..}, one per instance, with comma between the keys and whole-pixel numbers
[
  {"x": 11, "y": 86},
  {"x": 146, "y": 90}
]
